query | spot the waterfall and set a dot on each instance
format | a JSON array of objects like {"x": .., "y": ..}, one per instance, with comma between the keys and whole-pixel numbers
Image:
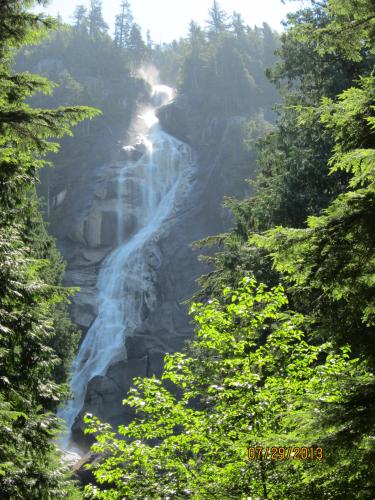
[{"x": 149, "y": 190}]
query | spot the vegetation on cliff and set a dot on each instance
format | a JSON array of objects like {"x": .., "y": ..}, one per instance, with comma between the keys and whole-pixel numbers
[
  {"x": 278, "y": 366},
  {"x": 219, "y": 73},
  {"x": 274, "y": 398}
]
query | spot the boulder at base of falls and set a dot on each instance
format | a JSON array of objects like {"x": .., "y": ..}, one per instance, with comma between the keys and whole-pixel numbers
[
  {"x": 79, "y": 468},
  {"x": 105, "y": 393}
]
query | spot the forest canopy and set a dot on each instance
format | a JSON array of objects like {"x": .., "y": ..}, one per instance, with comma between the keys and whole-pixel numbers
[
  {"x": 274, "y": 396},
  {"x": 288, "y": 363}
]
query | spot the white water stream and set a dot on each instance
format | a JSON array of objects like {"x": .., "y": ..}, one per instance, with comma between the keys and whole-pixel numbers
[{"x": 159, "y": 178}]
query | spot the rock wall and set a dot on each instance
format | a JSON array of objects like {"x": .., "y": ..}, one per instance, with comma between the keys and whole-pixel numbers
[{"x": 88, "y": 233}]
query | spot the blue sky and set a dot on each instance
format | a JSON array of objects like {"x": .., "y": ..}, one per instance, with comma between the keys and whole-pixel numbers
[{"x": 168, "y": 19}]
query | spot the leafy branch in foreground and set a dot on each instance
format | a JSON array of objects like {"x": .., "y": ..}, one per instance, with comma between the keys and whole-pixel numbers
[{"x": 250, "y": 378}]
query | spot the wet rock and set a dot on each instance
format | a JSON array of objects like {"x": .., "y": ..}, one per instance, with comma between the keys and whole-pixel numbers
[
  {"x": 108, "y": 230},
  {"x": 93, "y": 255},
  {"x": 165, "y": 275},
  {"x": 173, "y": 118},
  {"x": 92, "y": 229},
  {"x": 131, "y": 153},
  {"x": 80, "y": 471}
]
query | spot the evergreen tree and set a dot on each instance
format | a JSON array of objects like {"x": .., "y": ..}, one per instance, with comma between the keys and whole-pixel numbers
[
  {"x": 80, "y": 17},
  {"x": 123, "y": 25},
  {"x": 224, "y": 73},
  {"x": 270, "y": 45},
  {"x": 196, "y": 37},
  {"x": 194, "y": 67},
  {"x": 64, "y": 335},
  {"x": 238, "y": 24},
  {"x": 330, "y": 268},
  {"x": 149, "y": 41},
  {"x": 293, "y": 182},
  {"x": 28, "y": 391},
  {"x": 97, "y": 25},
  {"x": 136, "y": 45},
  {"x": 268, "y": 365},
  {"x": 218, "y": 20}
]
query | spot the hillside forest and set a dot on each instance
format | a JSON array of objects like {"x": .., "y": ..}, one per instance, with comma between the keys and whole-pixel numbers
[{"x": 273, "y": 395}]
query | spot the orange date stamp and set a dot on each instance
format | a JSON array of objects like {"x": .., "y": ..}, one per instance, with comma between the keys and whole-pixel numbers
[{"x": 282, "y": 453}]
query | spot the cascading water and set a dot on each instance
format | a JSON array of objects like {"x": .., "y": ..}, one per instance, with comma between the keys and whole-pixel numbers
[{"x": 148, "y": 191}]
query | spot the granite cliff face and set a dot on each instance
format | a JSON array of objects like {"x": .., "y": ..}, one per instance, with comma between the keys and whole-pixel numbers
[{"x": 163, "y": 269}]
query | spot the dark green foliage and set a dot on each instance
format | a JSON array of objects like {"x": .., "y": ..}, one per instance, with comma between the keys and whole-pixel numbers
[
  {"x": 30, "y": 293},
  {"x": 293, "y": 180},
  {"x": 65, "y": 336},
  {"x": 350, "y": 31},
  {"x": 225, "y": 74},
  {"x": 92, "y": 71},
  {"x": 220, "y": 75},
  {"x": 220, "y": 67},
  {"x": 136, "y": 46},
  {"x": 123, "y": 25},
  {"x": 330, "y": 269},
  {"x": 332, "y": 260},
  {"x": 283, "y": 366}
]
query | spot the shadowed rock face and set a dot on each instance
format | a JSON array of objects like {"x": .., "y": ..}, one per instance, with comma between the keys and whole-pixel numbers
[
  {"x": 164, "y": 328},
  {"x": 169, "y": 264}
]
